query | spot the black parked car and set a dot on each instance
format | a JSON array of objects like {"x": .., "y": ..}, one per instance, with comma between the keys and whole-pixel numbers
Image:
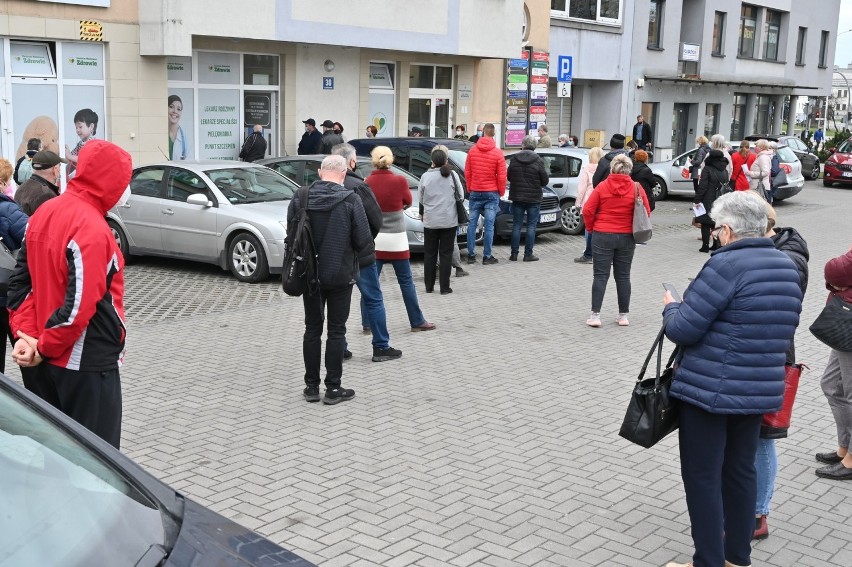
[
  {"x": 414, "y": 155},
  {"x": 71, "y": 499},
  {"x": 810, "y": 161}
]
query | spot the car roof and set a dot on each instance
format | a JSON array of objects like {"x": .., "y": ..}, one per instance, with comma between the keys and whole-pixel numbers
[
  {"x": 201, "y": 164},
  {"x": 449, "y": 142},
  {"x": 303, "y": 157}
]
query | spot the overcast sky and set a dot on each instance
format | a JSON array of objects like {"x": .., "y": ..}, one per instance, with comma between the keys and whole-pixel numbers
[{"x": 843, "y": 55}]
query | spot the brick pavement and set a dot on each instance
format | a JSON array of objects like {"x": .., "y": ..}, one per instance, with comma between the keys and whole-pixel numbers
[{"x": 492, "y": 442}]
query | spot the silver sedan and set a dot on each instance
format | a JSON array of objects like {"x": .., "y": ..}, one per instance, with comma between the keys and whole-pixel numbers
[{"x": 231, "y": 214}]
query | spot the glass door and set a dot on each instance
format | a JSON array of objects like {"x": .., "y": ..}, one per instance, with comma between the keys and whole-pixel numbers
[{"x": 429, "y": 116}]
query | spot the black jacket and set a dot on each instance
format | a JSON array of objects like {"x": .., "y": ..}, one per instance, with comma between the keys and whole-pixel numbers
[
  {"x": 698, "y": 159},
  {"x": 602, "y": 172},
  {"x": 371, "y": 209},
  {"x": 310, "y": 143},
  {"x": 713, "y": 175},
  {"x": 526, "y": 176},
  {"x": 647, "y": 135},
  {"x": 642, "y": 174},
  {"x": 33, "y": 192},
  {"x": 328, "y": 141},
  {"x": 340, "y": 230},
  {"x": 254, "y": 147},
  {"x": 790, "y": 242}
]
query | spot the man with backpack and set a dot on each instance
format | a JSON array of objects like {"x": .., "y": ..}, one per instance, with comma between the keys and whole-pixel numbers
[
  {"x": 24, "y": 167},
  {"x": 342, "y": 243}
]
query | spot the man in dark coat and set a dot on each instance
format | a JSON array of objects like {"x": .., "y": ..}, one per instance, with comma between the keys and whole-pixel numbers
[
  {"x": 44, "y": 183},
  {"x": 643, "y": 135},
  {"x": 602, "y": 172},
  {"x": 254, "y": 147},
  {"x": 342, "y": 238},
  {"x": 329, "y": 138},
  {"x": 526, "y": 176},
  {"x": 311, "y": 139}
]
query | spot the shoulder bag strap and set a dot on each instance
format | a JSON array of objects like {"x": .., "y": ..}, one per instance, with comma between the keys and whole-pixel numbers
[{"x": 456, "y": 187}]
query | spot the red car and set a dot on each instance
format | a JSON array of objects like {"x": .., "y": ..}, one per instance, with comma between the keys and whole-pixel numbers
[{"x": 838, "y": 168}]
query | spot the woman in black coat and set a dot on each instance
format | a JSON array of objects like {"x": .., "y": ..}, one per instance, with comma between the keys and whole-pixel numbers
[
  {"x": 643, "y": 175},
  {"x": 714, "y": 174}
]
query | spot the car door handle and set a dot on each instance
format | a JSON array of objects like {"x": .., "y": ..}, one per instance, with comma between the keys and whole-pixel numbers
[
  {"x": 557, "y": 186},
  {"x": 168, "y": 212}
]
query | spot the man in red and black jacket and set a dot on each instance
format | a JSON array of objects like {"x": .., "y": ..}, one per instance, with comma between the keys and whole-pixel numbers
[{"x": 66, "y": 298}]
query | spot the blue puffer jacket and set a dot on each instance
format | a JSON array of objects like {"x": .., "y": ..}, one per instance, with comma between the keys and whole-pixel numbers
[
  {"x": 735, "y": 324},
  {"x": 13, "y": 224}
]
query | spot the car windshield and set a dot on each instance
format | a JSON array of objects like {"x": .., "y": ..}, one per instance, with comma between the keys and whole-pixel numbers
[
  {"x": 242, "y": 185},
  {"x": 61, "y": 504},
  {"x": 786, "y": 155},
  {"x": 365, "y": 168},
  {"x": 845, "y": 147}
]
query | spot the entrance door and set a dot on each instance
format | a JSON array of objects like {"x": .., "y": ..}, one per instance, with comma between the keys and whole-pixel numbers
[
  {"x": 259, "y": 107},
  {"x": 430, "y": 115},
  {"x": 680, "y": 128}
]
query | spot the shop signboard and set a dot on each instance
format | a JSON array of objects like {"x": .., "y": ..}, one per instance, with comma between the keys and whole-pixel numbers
[{"x": 218, "y": 123}]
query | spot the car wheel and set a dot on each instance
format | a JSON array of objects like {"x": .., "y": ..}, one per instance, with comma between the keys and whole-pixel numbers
[
  {"x": 246, "y": 259},
  {"x": 815, "y": 170},
  {"x": 827, "y": 183},
  {"x": 659, "y": 190},
  {"x": 120, "y": 239},
  {"x": 570, "y": 219}
]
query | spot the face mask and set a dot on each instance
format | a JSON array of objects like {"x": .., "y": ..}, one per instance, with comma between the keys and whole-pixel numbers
[
  {"x": 458, "y": 132},
  {"x": 124, "y": 197},
  {"x": 369, "y": 134}
]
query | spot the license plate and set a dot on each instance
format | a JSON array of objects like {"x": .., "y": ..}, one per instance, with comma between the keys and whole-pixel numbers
[
  {"x": 462, "y": 229},
  {"x": 549, "y": 217},
  {"x": 847, "y": 174}
]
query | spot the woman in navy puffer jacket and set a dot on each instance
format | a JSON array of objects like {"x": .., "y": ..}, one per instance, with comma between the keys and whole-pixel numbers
[
  {"x": 13, "y": 223},
  {"x": 734, "y": 326}
]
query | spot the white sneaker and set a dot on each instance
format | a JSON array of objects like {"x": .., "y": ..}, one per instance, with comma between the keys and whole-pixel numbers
[
  {"x": 673, "y": 564},
  {"x": 622, "y": 320},
  {"x": 594, "y": 320}
]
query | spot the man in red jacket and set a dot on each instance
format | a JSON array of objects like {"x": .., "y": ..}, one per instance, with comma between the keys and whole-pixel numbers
[
  {"x": 485, "y": 173},
  {"x": 66, "y": 298}
]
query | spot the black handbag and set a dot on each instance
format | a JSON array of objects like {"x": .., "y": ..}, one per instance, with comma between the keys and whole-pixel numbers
[
  {"x": 8, "y": 259},
  {"x": 652, "y": 413},
  {"x": 462, "y": 213},
  {"x": 834, "y": 325}
]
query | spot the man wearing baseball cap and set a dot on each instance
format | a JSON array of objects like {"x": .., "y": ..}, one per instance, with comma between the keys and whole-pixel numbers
[
  {"x": 311, "y": 139},
  {"x": 44, "y": 183},
  {"x": 329, "y": 138}
]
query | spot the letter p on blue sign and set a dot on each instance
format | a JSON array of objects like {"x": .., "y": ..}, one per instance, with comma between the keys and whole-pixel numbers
[{"x": 565, "y": 69}]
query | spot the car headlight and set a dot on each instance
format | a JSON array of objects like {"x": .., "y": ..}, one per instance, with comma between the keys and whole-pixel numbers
[{"x": 412, "y": 213}]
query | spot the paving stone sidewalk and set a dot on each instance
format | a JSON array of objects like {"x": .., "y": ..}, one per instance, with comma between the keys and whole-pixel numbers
[{"x": 492, "y": 442}]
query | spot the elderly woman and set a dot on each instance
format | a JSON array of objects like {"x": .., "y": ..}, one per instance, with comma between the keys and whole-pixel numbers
[
  {"x": 440, "y": 187},
  {"x": 608, "y": 214},
  {"x": 565, "y": 141},
  {"x": 526, "y": 176},
  {"x": 734, "y": 327},
  {"x": 760, "y": 172},
  {"x": 837, "y": 380},
  {"x": 394, "y": 196},
  {"x": 718, "y": 142},
  {"x": 697, "y": 161}
]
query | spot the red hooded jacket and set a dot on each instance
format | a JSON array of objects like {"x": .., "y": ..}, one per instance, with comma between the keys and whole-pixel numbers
[
  {"x": 485, "y": 167},
  {"x": 68, "y": 288},
  {"x": 610, "y": 206},
  {"x": 838, "y": 276}
]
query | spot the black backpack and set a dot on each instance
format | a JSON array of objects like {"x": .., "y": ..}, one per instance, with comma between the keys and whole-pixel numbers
[{"x": 301, "y": 261}]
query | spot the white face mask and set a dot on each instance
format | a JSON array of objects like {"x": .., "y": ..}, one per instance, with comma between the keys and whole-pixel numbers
[{"x": 124, "y": 197}]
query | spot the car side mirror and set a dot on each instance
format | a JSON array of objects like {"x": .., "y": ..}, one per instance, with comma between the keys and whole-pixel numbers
[{"x": 199, "y": 199}]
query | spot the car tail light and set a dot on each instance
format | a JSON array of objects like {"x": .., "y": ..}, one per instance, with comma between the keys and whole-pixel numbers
[{"x": 786, "y": 168}]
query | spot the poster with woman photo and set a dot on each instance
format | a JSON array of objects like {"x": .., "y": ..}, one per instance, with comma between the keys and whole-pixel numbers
[{"x": 181, "y": 118}]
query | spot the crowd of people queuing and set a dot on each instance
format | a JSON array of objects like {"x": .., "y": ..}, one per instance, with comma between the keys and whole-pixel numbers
[{"x": 735, "y": 324}]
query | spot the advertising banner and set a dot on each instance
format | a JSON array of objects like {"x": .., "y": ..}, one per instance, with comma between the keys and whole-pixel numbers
[
  {"x": 219, "y": 129},
  {"x": 181, "y": 116}
]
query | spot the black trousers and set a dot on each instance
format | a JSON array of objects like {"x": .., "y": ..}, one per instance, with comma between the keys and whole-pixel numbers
[
  {"x": 4, "y": 321},
  {"x": 438, "y": 242},
  {"x": 335, "y": 304},
  {"x": 91, "y": 398}
]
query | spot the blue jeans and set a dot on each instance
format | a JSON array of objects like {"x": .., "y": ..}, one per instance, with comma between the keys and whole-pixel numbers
[
  {"x": 766, "y": 466},
  {"x": 373, "y": 304},
  {"x": 587, "y": 253},
  {"x": 532, "y": 211},
  {"x": 487, "y": 203},
  {"x": 402, "y": 268}
]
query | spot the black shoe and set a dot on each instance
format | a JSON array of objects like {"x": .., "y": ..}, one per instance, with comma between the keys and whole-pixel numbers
[
  {"x": 490, "y": 260},
  {"x": 830, "y": 458},
  {"x": 347, "y": 354},
  {"x": 312, "y": 394},
  {"x": 430, "y": 289},
  {"x": 385, "y": 354},
  {"x": 513, "y": 258},
  {"x": 337, "y": 395},
  {"x": 446, "y": 291},
  {"x": 471, "y": 259},
  {"x": 704, "y": 249},
  {"x": 460, "y": 273},
  {"x": 583, "y": 260},
  {"x": 531, "y": 258},
  {"x": 835, "y": 472}
]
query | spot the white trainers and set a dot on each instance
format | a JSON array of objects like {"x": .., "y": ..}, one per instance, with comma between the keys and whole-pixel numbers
[
  {"x": 622, "y": 320},
  {"x": 594, "y": 320}
]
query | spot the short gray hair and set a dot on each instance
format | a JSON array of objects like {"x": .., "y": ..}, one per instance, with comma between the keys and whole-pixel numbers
[
  {"x": 338, "y": 164},
  {"x": 528, "y": 143},
  {"x": 717, "y": 142},
  {"x": 344, "y": 150},
  {"x": 743, "y": 211},
  {"x": 621, "y": 164},
  {"x": 542, "y": 127}
]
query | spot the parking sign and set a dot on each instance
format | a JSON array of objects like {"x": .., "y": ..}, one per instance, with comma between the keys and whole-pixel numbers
[{"x": 565, "y": 70}]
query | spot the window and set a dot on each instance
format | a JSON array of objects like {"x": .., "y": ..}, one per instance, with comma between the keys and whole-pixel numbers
[
  {"x": 823, "y": 46},
  {"x": 555, "y": 165},
  {"x": 748, "y": 27},
  {"x": 260, "y": 69},
  {"x": 800, "y": 46},
  {"x": 763, "y": 116},
  {"x": 183, "y": 183},
  {"x": 711, "y": 119},
  {"x": 147, "y": 183},
  {"x": 600, "y": 11},
  {"x": 430, "y": 77},
  {"x": 737, "y": 129},
  {"x": 719, "y": 34},
  {"x": 772, "y": 31},
  {"x": 655, "y": 24}
]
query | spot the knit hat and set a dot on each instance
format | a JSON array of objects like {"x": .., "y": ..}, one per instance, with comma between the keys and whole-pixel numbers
[{"x": 617, "y": 141}]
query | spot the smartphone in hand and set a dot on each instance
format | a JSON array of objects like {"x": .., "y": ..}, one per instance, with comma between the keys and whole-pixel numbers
[{"x": 673, "y": 290}]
